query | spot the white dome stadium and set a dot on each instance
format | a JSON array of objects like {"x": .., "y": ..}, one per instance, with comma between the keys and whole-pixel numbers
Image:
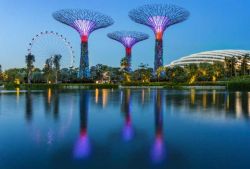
[{"x": 208, "y": 57}]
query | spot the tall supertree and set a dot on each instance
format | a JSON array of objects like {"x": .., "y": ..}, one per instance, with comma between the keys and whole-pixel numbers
[
  {"x": 159, "y": 17},
  {"x": 84, "y": 22},
  {"x": 128, "y": 39}
]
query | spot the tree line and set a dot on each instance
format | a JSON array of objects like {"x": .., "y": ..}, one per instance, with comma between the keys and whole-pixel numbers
[{"x": 191, "y": 73}]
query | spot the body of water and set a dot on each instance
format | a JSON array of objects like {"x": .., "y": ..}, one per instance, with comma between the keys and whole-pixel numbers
[{"x": 125, "y": 129}]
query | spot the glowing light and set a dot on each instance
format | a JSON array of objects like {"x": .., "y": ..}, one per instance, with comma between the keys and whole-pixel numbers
[
  {"x": 192, "y": 80},
  {"x": 192, "y": 96},
  {"x": 158, "y": 153},
  {"x": 104, "y": 97},
  {"x": 238, "y": 105},
  {"x": 228, "y": 101},
  {"x": 128, "y": 41},
  {"x": 214, "y": 78},
  {"x": 128, "y": 132},
  {"x": 96, "y": 95},
  {"x": 84, "y": 27},
  {"x": 214, "y": 96},
  {"x": 17, "y": 81},
  {"x": 159, "y": 24},
  {"x": 49, "y": 95},
  {"x": 143, "y": 96},
  {"x": 204, "y": 100},
  {"x": 128, "y": 51},
  {"x": 83, "y": 148},
  {"x": 17, "y": 94}
]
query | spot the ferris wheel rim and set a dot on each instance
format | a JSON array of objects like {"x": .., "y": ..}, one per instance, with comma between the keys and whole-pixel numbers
[{"x": 58, "y": 35}]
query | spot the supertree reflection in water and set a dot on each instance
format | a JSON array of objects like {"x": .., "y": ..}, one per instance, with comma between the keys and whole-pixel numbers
[
  {"x": 128, "y": 132},
  {"x": 82, "y": 148},
  {"x": 158, "y": 150}
]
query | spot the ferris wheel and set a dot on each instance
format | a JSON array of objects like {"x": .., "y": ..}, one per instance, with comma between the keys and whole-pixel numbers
[{"x": 46, "y": 44}]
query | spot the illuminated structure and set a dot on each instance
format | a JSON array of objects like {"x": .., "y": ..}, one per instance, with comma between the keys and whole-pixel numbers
[
  {"x": 209, "y": 57},
  {"x": 84, "y": 22},
  {"x": 158, "y": 17},
  {"x": 128, "y": 39}
]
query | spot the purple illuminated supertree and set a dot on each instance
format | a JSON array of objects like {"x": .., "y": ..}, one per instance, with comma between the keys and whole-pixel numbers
[
  {"x": 159, "y": 17},
  {"x": 85, "y": 22},
  {"x": 128, "y": 39}
]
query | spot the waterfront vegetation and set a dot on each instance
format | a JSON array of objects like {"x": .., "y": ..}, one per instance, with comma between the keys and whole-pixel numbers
[{"x": 233, "y": 73}]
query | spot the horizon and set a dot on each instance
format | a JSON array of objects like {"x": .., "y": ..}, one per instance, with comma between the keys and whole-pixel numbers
[{"x": 211, "y": 26}]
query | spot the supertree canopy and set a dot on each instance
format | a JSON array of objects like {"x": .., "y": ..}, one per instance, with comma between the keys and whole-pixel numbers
[
  {"x": 159, "y": 17},
  {"x": 128, "y": 39},
  {"x": 84, "y": 22}
]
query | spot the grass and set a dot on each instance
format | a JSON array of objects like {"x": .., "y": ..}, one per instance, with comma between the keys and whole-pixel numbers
[{"x": 239, "y": 83}]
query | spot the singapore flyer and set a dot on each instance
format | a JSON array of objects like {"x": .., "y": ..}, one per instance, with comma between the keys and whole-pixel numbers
[{"x": 47, "y": 44}]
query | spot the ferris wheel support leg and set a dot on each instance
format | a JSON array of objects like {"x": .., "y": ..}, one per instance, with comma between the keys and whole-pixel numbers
[{"x": 84, "y": 72}]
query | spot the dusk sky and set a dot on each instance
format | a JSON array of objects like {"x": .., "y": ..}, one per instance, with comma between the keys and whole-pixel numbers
[{"x": 212, "y": 25}]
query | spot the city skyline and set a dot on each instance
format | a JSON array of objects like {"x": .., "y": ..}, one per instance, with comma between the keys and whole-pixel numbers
[{"x": 211, "y": 26}]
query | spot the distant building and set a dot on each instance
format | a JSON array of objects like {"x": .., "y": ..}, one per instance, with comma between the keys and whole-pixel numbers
[{"x": 208, "y": 57}]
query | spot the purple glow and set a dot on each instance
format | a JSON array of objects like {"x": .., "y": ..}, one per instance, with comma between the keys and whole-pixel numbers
[
  {"x": 128, "y": 41},
  {"x": 159, "y": 23},
  {"x": 158, "y": 153},
  {"x": 82, "y": 149},
  {"x": 84, "y": 27},
  {"x": 128, "y": 132}
]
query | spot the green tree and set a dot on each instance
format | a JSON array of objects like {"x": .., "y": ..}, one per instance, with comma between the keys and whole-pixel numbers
[
  {"x": 169, "y": 73},
  {"x": 179, "y": 75},
  {"x": 192, "y": 72},
  {"x": 205, "y": 72},
  {"x": 56, "y": 62},
  {"x": 1, "y": 73},
  {"x": 244, "y": 64},
  {"x": 230, "y": 64},
  {"x": 30, "y": 59},
  {"x": 159, "y": 72},
  {"x": 219, "y": 70},
  {"x": 48, "y": 69}
]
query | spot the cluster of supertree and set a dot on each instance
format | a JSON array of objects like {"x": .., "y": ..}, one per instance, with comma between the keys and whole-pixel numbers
[{"x": 157, "y": 16}]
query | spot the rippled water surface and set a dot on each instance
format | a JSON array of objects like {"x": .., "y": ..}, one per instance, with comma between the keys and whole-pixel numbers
[{"x": 125, "y": 129}]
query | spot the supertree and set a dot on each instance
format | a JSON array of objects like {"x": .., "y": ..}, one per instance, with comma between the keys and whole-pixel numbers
[
  {"x": 128, "y": 39},
  {"x": 159, "y": 17},
  {"x": 84, "y": 22}
]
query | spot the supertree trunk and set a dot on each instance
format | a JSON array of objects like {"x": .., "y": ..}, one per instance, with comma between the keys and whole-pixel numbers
[
  {"x": 84, "y": 61},
  {"x": 158, "y": 54},
  {"x": 128, "y": 56}
]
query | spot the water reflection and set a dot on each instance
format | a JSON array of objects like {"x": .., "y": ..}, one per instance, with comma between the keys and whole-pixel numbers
[
  {"x": 128, "y": 132},
  {"x": 83, "y": 148},
  {"x": 56, "y": 104},
  {"x": 158, "y": 149},
  {"x": 69, "y": 145},
  {"x": 51, "y": 103},
  {"x": 210, "y": 103},
  {"x": 28, "y": 107}
]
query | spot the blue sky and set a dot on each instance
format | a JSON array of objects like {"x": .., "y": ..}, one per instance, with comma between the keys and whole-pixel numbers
[{"x": 213, "y": 24}]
